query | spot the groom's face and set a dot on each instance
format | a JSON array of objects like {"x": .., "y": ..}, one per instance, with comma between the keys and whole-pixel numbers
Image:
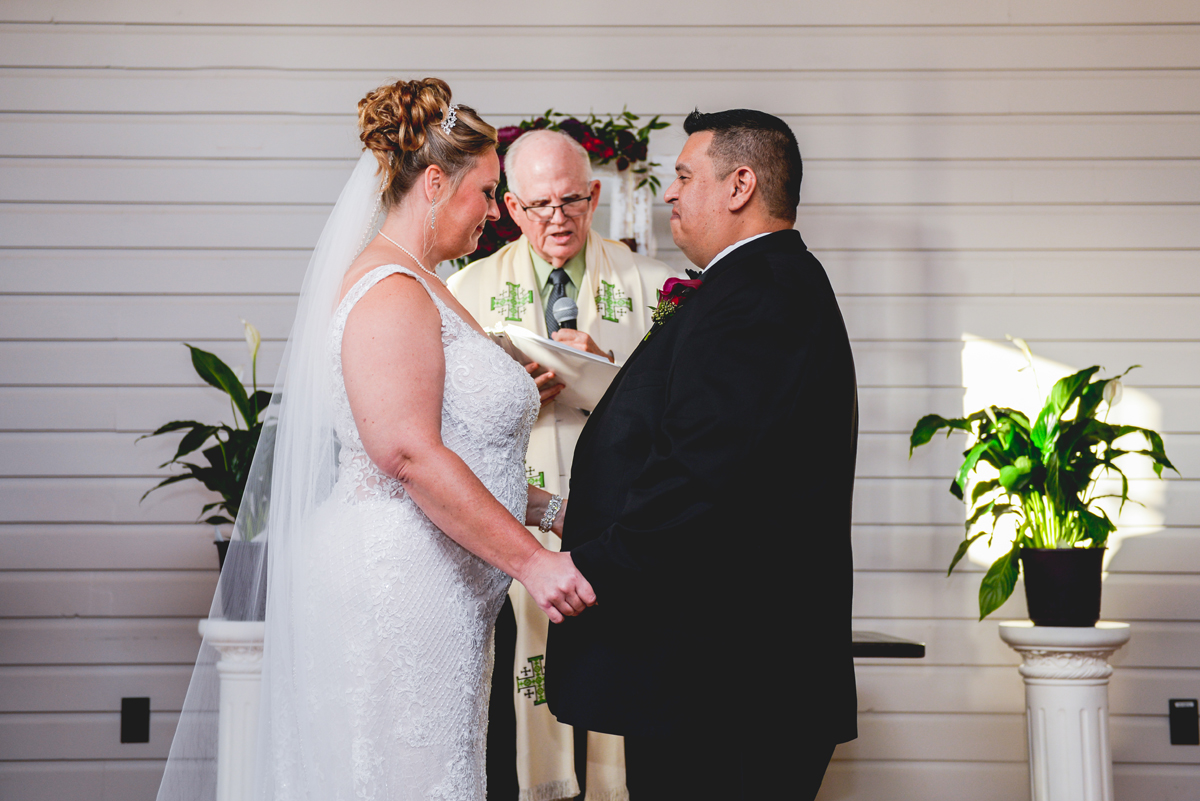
[{"x": 695, "y": 196}]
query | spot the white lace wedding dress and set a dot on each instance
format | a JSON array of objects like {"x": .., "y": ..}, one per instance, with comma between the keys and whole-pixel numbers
[{"x": 392, "y": 634}]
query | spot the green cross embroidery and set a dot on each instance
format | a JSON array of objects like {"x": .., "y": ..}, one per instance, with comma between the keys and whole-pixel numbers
[
  {"x": 512, "y": 301},
  {"x": 612, "y": 303},
  {"x": 531, "y": 682},
  {"x": 536, "y": 479}
]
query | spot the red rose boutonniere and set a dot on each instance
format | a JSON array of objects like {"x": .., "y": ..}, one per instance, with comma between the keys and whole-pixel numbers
[{"x": 674, "y": 292}]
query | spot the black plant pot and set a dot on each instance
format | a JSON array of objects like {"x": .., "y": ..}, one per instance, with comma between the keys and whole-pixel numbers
[
  {"x": 244, "y": 581},
  {"x": 222, "y": 549},
  {"x": 1062, "y": 585}
]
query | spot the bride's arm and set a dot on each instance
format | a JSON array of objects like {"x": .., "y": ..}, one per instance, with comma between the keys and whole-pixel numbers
[{"x": 394, "y": 369}]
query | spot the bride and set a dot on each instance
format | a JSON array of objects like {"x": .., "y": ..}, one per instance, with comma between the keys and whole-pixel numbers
[{"x": 397, "y": 492}]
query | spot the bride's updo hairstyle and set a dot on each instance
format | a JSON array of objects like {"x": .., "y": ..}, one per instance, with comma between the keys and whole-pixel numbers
[{"x": 402, "y": 125}]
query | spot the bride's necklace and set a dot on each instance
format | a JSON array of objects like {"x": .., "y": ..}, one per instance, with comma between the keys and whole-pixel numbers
[{"x": 414, "y": 258}]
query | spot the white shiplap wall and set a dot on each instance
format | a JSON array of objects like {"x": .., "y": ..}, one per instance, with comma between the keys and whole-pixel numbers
[{"x": 992, "y": 167}]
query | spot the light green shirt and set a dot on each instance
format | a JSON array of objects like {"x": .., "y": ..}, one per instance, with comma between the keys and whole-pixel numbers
[{"x": 543, "y": 268}]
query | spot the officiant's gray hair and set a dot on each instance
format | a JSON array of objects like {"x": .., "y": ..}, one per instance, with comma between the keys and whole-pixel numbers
[
  {"x": 513, "y": 157},
  {"x": 760, "y": 141}
]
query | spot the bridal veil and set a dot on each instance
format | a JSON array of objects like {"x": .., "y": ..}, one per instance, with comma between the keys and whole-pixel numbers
[{"x": 294, "y": 470}]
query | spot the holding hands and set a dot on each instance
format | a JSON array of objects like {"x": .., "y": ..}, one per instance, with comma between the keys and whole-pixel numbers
[
  {"x": 559, "y": 589},
  {"x": 551, "y": 578}
]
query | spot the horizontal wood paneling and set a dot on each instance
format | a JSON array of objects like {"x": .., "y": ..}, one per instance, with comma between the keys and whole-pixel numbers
[
  {"x": 830, "y": 181},
  {"x": 92, "y": 688},
  {"x": 867, "y": 318},
  {"x": 869, "y": 780},
  {"x": 1148, "y": 549},
  {"x": 81, "y": 735},
  {"x": 916, "y": 228},
  {"x": 927, "y": 688},
  {"x": 374, "y": 13},
  {"x": 437, "y": 50},
  {"x": 510, "y": 91},
  {"x": 107, "y": 593},
  {"x": 116, "y": 547},
  {"x": 102, "y": 641},
  {"x": 1154, "y": 644},
  {"x": 118, "y": 780},
  {"x": 965, "y": 736},
  {"x": 1132, "y": 597},
  {"x": 48, "y": 402},
  {"x": 931, "y": 274},
  {"x": 919, "y": 500},
  {"x": 109, "y": 454},
  {"x": 1012, "y": 137},
  {"x": 111, "y": 500}
]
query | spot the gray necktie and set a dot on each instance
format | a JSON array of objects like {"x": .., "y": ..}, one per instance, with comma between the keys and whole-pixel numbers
[{"x": 558, "y": 290}]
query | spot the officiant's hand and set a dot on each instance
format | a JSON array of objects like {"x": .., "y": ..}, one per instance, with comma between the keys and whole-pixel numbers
[
  {"x": 557, "y": 587},
  {"x": 548, "y": 388},
  {"x": 580, "y": 341}
]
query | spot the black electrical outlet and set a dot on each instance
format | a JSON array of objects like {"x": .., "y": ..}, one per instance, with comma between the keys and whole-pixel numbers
[
  {"x": 135, "y": 720},
  {"x": 1185, "y": 721}
]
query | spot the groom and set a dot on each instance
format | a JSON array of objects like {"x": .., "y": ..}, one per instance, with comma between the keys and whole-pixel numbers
[{"x": 710, "y": 502}]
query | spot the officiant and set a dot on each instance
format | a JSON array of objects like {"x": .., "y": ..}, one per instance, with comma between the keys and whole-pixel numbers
[{"x": 552, "y": 196}]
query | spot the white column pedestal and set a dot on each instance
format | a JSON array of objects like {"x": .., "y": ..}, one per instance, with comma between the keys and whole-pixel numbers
[
  {"x": 240, "y": 644},
  {"x": 1066, "y": 674}
]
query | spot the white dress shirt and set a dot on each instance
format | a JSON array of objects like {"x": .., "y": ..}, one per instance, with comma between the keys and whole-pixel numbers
[{"x": 734, "y": 247}]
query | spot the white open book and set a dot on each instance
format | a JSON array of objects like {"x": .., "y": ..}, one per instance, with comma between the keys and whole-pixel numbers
[{"x": 586, "y": 375}]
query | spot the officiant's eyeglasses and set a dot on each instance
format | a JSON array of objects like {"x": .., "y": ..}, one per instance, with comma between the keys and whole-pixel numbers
[{"x": 571, "y": 208}]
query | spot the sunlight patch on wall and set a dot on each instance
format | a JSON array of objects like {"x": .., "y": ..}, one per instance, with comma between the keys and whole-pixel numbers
[{"x": 997, "y": 373}]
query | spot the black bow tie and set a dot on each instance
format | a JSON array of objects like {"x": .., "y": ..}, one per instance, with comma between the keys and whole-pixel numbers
[{"x": 693, "y": 274}]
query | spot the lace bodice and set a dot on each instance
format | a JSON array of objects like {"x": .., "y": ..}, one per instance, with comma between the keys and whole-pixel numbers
[{"x": 489, "y": 406}]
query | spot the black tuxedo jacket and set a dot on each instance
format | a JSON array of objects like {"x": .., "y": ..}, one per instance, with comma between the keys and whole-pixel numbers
[{"x": 710, "y": 509}]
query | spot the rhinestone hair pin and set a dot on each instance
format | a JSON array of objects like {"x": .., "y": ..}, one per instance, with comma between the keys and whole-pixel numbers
[{"x": 449, "y": 119}]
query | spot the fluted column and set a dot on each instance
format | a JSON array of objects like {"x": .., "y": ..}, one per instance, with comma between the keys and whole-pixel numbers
[
  {"x": 1066, "y": 674},
  {"x": 240, "y": 644}
]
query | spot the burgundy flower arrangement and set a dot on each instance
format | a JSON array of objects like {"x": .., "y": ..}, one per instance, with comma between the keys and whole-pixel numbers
[{"x": 618, "y": 141}]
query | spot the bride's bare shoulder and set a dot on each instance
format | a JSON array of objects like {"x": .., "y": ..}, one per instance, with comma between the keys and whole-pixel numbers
[{"x": 363, "y": 265}]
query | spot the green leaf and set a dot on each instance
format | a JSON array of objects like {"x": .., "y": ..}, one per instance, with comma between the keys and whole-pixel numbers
[
  {"x": 1065, "y": 392},
  {"x": 175, "y": 479},
  {"x": 956, "y": 490},
  {"x": 174, "y": 425},
  {"x": 1013, "y": 475},
  {"x": 962, "y": 551},
  {"x": 193, "y": 440},
  {"x": 1096, "y": 527},
  {"x": 982, "y": 488},
  {"x": 979, "y": 512},
  {"x": 259, "y": 402},
  {"x": 968, "y": 465},
  {"x": 928, "y": 425},
  {"x": 217, "y": 373},
  {"x": 999, "y": 582}
]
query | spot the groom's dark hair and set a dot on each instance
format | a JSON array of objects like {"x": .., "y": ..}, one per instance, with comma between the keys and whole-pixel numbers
[{"x": 744, "y": 137}]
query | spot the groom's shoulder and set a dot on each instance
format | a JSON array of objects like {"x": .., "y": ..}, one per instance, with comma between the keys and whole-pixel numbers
[{"x": 777, "y": 270}]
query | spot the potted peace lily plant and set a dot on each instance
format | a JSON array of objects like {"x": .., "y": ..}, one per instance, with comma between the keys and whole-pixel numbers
[
  {"x": 1045, "y": 474},
  {"x": 228, "y": 450}
]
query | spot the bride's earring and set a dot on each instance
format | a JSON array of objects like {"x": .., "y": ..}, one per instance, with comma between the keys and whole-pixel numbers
[{"x": 433, "y": 216}]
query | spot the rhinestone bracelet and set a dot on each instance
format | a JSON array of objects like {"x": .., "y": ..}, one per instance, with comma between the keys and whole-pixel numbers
[{"x": 551, "y": 513}]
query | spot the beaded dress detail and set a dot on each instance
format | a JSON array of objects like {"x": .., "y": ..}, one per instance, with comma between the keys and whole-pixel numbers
[{"x": 393, "y": 636}]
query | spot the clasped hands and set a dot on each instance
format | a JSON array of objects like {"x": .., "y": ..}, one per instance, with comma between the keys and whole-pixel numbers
[{"x": 547, "y": 386}]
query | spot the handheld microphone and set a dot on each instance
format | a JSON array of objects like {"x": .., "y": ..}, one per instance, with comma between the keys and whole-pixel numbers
[{"x": 566, "y": 312}]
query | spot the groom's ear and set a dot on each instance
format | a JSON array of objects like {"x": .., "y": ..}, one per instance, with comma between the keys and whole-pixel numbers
[{"x": 742, "y": 183}]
